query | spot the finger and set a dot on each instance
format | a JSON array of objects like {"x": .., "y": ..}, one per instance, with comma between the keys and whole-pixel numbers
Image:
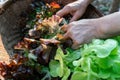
[
  {"x": 72, "y": 13},
  {"x": 66, "y": 35},
  {"x": 63, "y": 11},
  {"x": 76, "y": 44},
  {"x": 76, "y": 16},
  {"x": 64, "y": 28},
  {"x": 56, "y": 18}
]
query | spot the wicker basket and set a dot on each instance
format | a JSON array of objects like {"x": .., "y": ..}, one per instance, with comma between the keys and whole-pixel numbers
[{"x": 10, "y": 30}]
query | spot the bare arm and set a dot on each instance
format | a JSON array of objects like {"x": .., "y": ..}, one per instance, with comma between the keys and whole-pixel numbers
[{"x": 110, "y": 25}]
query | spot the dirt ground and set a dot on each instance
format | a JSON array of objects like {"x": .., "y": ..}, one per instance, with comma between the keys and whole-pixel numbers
[{"x": 3, "y": 54}]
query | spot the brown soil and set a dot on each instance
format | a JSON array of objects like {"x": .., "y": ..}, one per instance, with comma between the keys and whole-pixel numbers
[{"x": 3, "y": 54}]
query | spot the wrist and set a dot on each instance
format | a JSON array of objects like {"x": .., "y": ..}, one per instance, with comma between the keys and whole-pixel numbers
[
  {"x": 101, "y": 31},
  {"x": 102, "y": 28},
  {"x": 107, "y": 27}
]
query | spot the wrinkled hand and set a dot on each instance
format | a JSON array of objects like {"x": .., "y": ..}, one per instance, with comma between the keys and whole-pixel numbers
[
  {"x": 76, "y": 9},
  {"x": 82, "y": 31}
]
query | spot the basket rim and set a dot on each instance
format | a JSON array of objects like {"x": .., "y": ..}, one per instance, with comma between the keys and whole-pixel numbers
[
  {"x": 98, "y": 12},
  {"x": 4, "y": 5}
]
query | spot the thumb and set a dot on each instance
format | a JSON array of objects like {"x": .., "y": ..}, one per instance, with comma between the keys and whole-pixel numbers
[
  {"x": 76, "y": 16},
  {"x": 77, "y": 44},
  {"x": 63, "y": 11},
  {"x": 65, "y": 28},
  {"x": 66, "y": 35}
]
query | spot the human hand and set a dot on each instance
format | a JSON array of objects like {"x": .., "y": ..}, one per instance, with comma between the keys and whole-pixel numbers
[
  {"x": 76, "y": 9},
  {"x": 82, "y": 31}
]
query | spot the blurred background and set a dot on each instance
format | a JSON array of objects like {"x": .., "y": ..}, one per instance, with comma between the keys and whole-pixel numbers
[{"x": 107, "y": 6}]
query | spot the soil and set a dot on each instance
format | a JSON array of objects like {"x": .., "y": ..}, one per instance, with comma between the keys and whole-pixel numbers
[{"x": 3, "y": 54}]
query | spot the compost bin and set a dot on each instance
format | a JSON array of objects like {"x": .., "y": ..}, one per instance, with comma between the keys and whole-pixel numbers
[{"x": 11, "y": 30}]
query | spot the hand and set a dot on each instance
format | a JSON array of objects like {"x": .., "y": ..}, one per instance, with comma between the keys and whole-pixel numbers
[
  {"x": 76, "y": 9},
  {"x": 82, "y": 31}
]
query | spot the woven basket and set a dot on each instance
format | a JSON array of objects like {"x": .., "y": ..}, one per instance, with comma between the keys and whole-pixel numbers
[{"x": 11, "y": 32}]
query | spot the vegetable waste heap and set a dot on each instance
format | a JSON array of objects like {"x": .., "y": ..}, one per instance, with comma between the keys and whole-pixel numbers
[{"x": 43, "y": 54}]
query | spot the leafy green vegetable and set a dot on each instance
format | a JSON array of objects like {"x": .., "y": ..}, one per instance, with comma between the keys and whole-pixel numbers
[
  {"x": 101, "y": 50},
  {"x": 59, "y": 55},
  {"x": 99, "y": 55},
  {"x": 54, "y": 67},
  {"x": 71, "y": 55},
  {"x": 66, "y": 73},
  {"x": 99, "y": 60},
  {"x": 79, "y": 76},
  {"x": 58, "y": 66}
]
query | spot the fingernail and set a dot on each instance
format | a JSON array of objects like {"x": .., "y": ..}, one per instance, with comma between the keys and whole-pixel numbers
[{"x": 75, "y": 46}]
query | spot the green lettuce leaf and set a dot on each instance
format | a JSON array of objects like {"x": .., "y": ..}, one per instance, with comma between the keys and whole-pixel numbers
[
  {"x": 54, "y": 68},
  {"x": 59, "y": 55},
  {"x": 99, "y": 60},
  {"x": 66, "y": 73},
  {"x": 101, "y": 50}
]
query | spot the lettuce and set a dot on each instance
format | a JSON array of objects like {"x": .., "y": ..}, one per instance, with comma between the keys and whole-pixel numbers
[
  {"x": 57, "y": 66},
  {"x": 99, "y": 60}
]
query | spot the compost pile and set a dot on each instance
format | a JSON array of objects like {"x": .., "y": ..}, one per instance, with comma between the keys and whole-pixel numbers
[{"x": 44, "y": 54}]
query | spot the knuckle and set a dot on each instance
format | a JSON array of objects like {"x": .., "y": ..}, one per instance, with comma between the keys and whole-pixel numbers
[
  {"x": 67, "y": 7},
  {"x": 71, "y": 24},
  {"x": 71, "y": 34},
  {"x": 76, "y": 41}
]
